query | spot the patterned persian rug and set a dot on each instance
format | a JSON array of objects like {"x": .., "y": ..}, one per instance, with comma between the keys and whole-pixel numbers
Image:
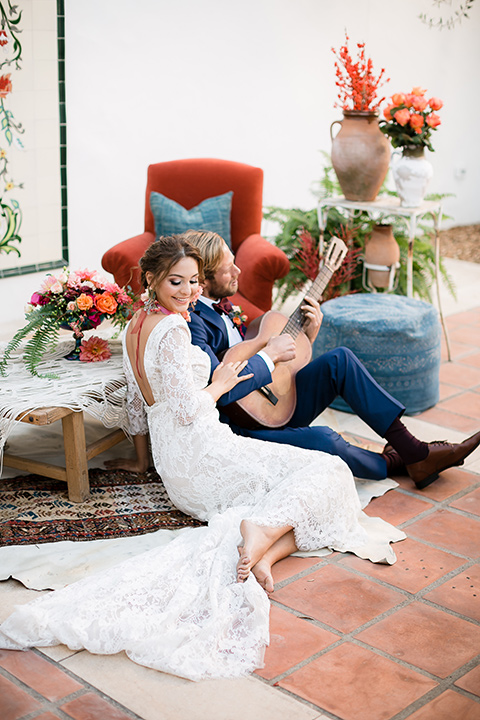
[{"x": 35, "y": 509}]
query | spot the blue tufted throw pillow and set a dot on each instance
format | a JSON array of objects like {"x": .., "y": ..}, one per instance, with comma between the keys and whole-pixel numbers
[{"x": 212, "y": 214}]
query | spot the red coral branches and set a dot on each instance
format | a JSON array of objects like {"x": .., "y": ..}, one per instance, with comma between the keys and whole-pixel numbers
[{"x": 356, "y": 82}]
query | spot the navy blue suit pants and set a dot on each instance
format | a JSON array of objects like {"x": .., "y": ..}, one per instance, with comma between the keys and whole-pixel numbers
[{"x": 336, "y": 373}]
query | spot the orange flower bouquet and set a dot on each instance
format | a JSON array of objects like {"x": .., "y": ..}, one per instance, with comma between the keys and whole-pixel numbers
[
  {"x": 76, "y": 300},
  {"x": 410, "y": 119}
]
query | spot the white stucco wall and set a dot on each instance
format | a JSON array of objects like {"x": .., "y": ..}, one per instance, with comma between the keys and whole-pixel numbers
[{"x": 250, "y": 81}]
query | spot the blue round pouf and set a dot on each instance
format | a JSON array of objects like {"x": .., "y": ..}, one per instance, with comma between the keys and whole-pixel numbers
[{"x": 396, "y": 338}]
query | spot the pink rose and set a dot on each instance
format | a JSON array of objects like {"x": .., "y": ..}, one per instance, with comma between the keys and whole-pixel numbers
[
  {"x": 433, "y": 120},
  {"x": 419, "y": 103},
  {"x": 402, "y": 116},
  {"x": 417, "y": 122},
  {"x": 435, "y": 103},
  {"x": 36, "y": 299}
]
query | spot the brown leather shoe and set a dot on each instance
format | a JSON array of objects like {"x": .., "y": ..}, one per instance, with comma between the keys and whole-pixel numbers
[
  {"x": 395, "y": 464},
  {"x": 441, "y": 455}
]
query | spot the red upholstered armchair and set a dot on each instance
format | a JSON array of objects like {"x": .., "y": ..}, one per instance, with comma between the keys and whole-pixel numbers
[{"x": 189, "y": 182}]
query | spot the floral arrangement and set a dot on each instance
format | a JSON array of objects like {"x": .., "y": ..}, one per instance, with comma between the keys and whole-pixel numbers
[
  {"x": 410, "y": 119},
  {"x": 78, "y": 300},
  {"x": 356, "y": 81},
  {"x": 237, "y": 316}
]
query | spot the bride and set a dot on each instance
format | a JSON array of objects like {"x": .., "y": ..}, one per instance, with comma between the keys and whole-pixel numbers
[{"x": 196, "y": 607}]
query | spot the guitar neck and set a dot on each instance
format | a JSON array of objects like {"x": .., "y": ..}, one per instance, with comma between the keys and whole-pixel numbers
[{"x": 297, "y": 319}]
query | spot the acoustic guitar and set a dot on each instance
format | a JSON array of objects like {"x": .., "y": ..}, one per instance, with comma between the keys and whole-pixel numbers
[{"x": 273, "y": 405}]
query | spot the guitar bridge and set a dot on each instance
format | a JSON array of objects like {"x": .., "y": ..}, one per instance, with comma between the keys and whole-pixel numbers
[{"x": 268, "y": 394}]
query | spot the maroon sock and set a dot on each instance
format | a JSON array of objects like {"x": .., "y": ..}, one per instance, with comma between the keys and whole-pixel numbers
[{"x": 410, "y": 449}]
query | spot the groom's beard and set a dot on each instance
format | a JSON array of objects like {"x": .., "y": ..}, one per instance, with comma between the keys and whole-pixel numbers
[{"x": 217, "y": 291}]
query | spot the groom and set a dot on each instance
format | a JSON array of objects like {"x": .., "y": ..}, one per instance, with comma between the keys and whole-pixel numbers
[{"x": 338, "y": 372}]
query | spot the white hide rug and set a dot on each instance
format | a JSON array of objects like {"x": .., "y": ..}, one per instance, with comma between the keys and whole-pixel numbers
[{"x": 54, "y": 565}]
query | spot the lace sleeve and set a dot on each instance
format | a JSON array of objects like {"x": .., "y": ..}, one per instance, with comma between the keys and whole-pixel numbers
[
  {"x": 184, "y": 399},
  {"x": 137, "y": 417}
]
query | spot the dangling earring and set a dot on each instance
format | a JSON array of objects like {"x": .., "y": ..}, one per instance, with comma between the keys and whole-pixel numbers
[{"x": 151, "y": 303}]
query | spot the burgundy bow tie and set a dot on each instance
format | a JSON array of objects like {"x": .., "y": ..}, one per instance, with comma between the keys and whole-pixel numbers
[{"x": 223, "y": 306}]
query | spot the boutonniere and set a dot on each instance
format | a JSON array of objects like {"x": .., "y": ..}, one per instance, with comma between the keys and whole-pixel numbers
[{"x": 237, "y": 316}]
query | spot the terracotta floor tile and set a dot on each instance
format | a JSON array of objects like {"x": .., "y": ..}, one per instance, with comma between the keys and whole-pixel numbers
[
  {"x": 448, "y": 706},
  {"x": 450, "y": 531},
  {"x": 457, "y": 350},
  {"x": 396, "y": 507},
  {"x": 47, "y": 716},
  {"x": 468, "y": 334},
  {"x": 93, "y": 707},
  {"x": 14, "y": 702},
  {"x": 460, "y": 375},
  {"x": 467, "y": 404},
  {"x": 466, "y": 317},
  {"x": 291, "y": 641},
  {"x": 39, "y": 674},
  {"x": 417, "y": 566},
  {"x": 416, "y": 632},
  {"x": 470, "y": 503},
  {"x": 449, "y": 483},
  {"x": 292, "y": 566},
  {"x": 356, "y": 684},
  {"x": 461, "y": 593},
  {"x": 440, "y": 416},
  {"x": 446, "y": 391},
  {"x": 473, "y": 360},
  {"x": 338, "y": 598},
  {"x": 470, "y": 681}
]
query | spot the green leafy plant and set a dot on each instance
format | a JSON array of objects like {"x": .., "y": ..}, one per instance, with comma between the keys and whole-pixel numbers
[{"x": 294, "y": 223}]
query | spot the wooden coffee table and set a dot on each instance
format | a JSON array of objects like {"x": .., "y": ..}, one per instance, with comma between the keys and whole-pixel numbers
[
  {"x": 77, "y": 452},
  {"x": 98, "y": 389}
]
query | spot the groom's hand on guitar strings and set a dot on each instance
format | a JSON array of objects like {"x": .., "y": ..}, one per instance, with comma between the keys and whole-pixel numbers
[
  {"x": 314, "y": 317},
  {"x": 281, "y": 348}
]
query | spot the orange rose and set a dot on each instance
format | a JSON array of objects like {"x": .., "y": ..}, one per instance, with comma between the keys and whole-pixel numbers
[
  {"x": 84, "y": 302},
  {"x": 433, "y": 120},
  {"x": 419, "y": 103},
  {"x": 417, "y": 122},
  {"x": 106, "y": 303},
  {"x": 418, "y": 91},
  {"x": 402, "y": 116},
  {"x": 398, "y": 99},
  {"x": 435, "y": 103},
  {"x": 387, "y": 113}
]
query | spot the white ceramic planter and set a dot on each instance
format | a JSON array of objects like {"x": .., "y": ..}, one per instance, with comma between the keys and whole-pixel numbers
[{"x": 411, "y": 173}]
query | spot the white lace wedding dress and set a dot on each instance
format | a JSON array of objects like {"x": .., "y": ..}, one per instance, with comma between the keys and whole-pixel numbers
[{"x": 178, "y": 608}]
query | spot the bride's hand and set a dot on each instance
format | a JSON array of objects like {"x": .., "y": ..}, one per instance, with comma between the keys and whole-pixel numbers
[{"x": 226, "y": 376}]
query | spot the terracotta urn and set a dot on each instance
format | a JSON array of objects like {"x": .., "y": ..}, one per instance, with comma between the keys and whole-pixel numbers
[
  {"x": 360, "y": 155},
  {"x": 381, "y": 251}
]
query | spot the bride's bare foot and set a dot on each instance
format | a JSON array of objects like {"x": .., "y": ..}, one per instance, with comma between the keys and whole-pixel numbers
[
  {"x": 263, "y": 572},
  {"x": 243, "y": 565},
  {"x": 257, "y": 540},
  {"x": 130, "y": 464}
]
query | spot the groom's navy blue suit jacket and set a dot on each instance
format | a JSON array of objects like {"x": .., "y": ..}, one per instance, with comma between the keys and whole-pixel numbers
[
  {"x": 209, "y": 332},
  {"x": 337, "y": 372}
]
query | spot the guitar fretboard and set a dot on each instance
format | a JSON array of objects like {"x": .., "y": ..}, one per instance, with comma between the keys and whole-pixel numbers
[{"x": 297, "y": 319}]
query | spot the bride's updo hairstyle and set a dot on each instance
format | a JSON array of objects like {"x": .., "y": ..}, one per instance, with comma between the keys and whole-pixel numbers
[{"x": 164, "y": 253}]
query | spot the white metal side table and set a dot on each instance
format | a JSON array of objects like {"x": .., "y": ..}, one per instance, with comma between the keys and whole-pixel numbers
[{"x": 385, "y": 206}]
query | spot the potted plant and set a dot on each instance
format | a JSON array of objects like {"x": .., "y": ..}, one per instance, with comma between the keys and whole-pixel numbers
[
  {"x": 410, "y": 120},
  {"x": 360, "y": 154}
]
